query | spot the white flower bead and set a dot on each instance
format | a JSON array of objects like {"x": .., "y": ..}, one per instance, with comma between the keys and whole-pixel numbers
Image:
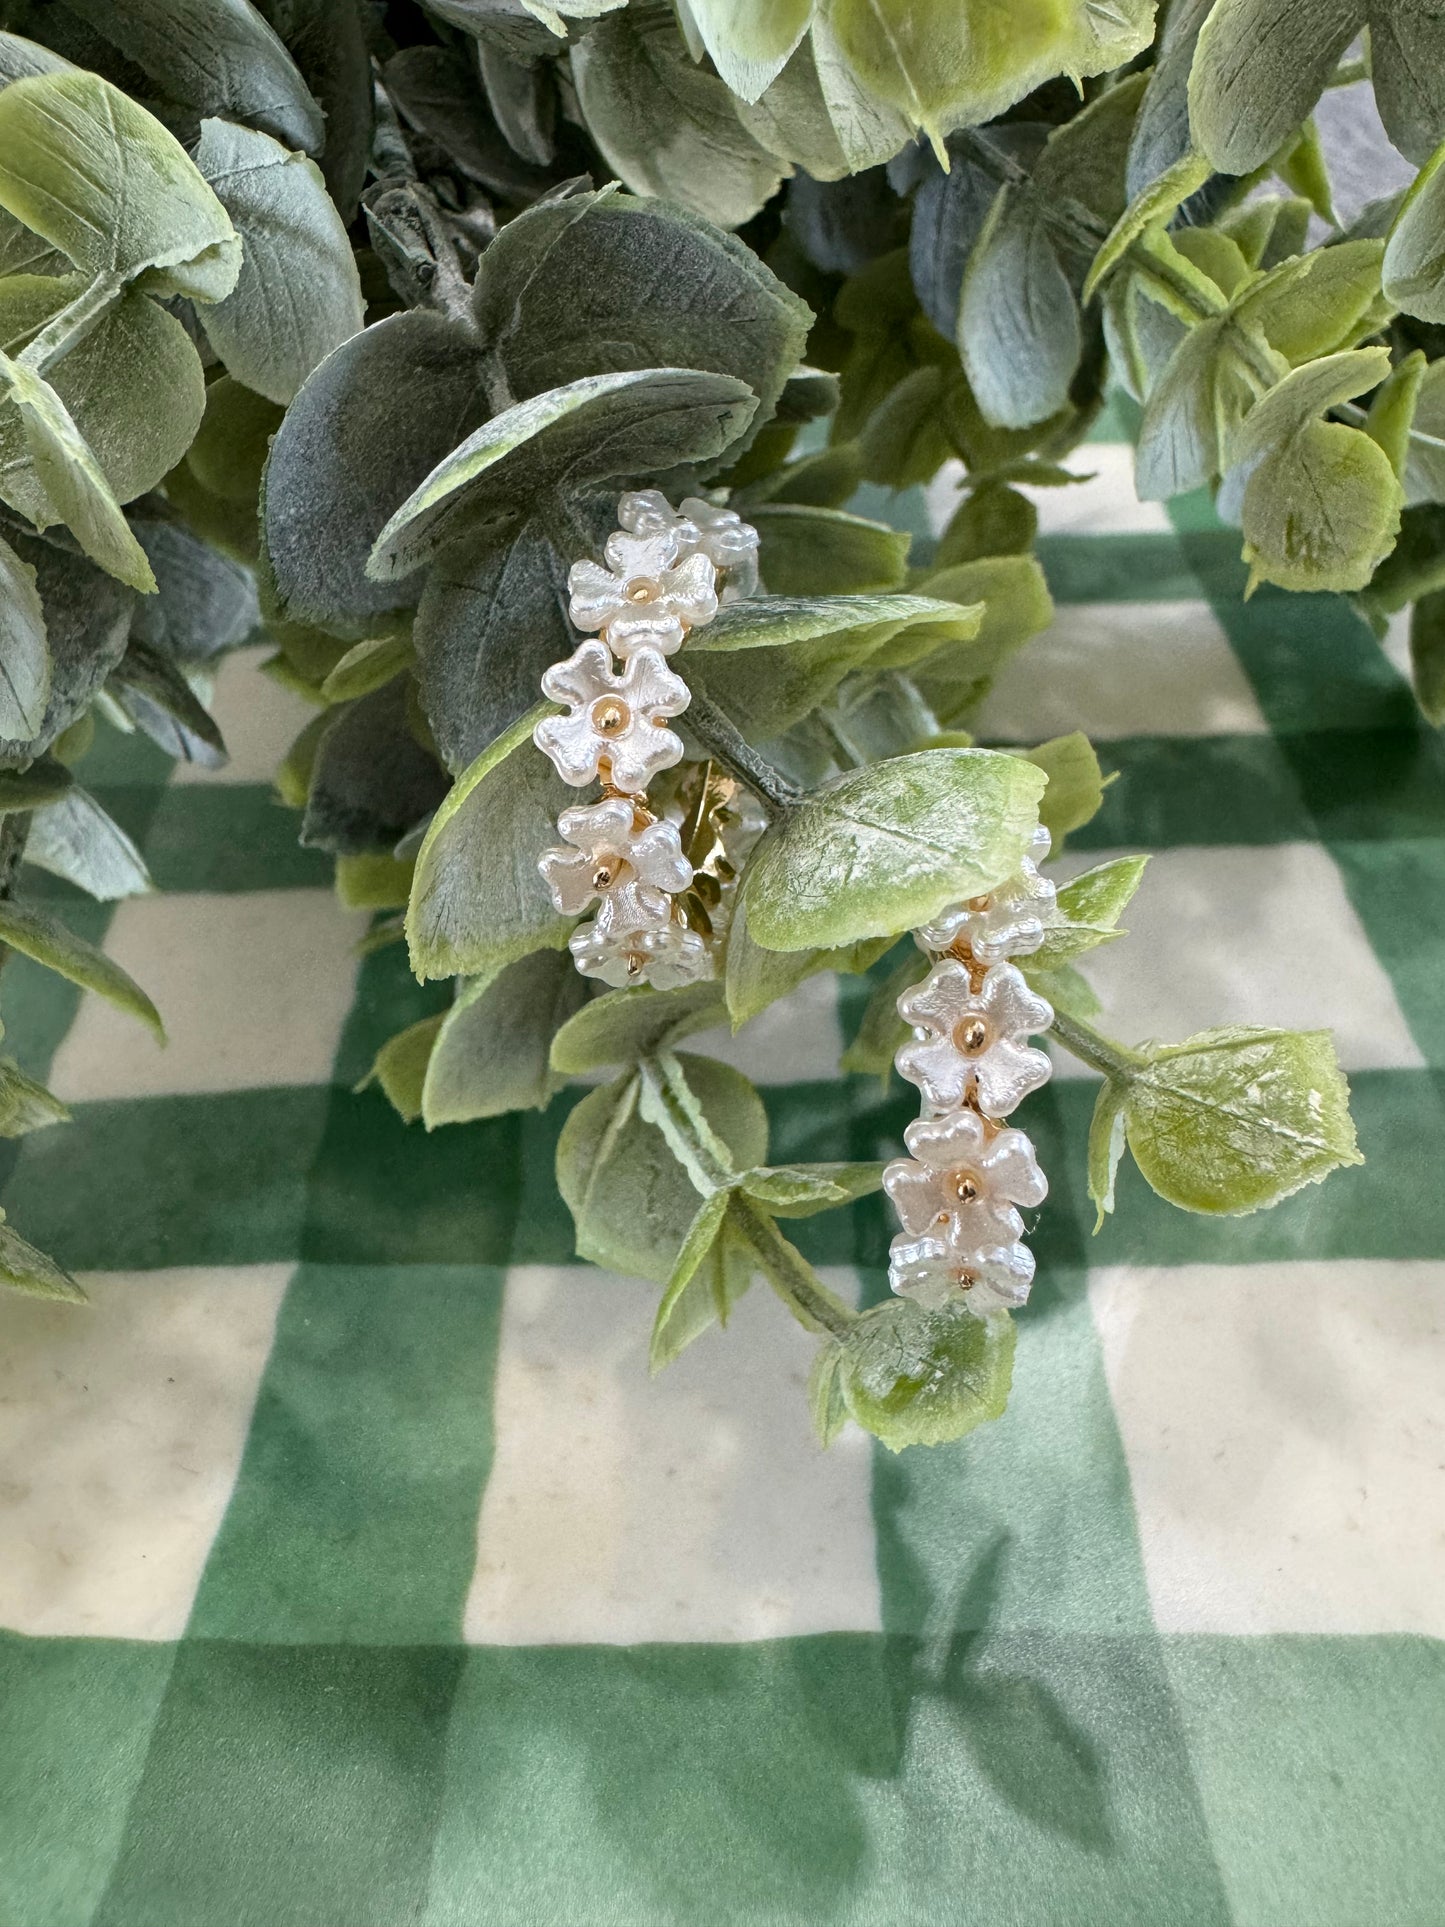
[
  {"x": 937, "y": 1272},
  {"x": 961, "y": 1177},
  {"x": 974, "y": 1043},
  {"x": 643, "y": 599},
  {"x": 634, "y": 939},
  {"x": 647, "y": 512},
  {"x": 727, "y": 541},
  {"x": 616, "y": 720},
  {"x": 1011, "y": 921},
  {"x": 610, "y": 850}
]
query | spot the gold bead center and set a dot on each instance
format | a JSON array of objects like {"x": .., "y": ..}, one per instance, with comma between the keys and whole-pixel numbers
[
  {"x": 610, "y": 717},
  {"x": 971, "y": 1036},
  {"x": 605, "y": 875},
  {"x": 966, "y": 1187},
  {"x": 642, "y": 589}
]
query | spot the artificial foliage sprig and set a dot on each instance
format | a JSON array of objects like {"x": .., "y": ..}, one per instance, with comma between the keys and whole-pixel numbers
[{"x": 348, "y": 326}]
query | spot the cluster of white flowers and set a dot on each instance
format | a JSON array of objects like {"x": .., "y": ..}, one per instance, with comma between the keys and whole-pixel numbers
[
  {"x": 666, "y": 571},
  {"x": 958, "y": 1193}
]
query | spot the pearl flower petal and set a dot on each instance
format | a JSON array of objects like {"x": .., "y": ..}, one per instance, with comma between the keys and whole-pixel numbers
[
  {"x": 634, "y": 744},
  {"x": 938, "y": 1272},
  {"x": 996, "y": 1065},
  {"x": 607, "y": 842},
  {"x": 958, "y": 1176},
  {"x": 634, "y": 939},
  {"x": 1011, "y": 921},
  {"x": 643, "y": 599}
]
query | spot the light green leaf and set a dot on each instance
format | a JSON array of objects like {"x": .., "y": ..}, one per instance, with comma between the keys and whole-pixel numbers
[
  {"x": 867, "y": 129},
  {"x": 1019, "y": 329},
  {"x": 1393, "y": 413},
  {"x": 1316, "y": 303},
  {"x": 887, "y": 848},
  {"x": 373, "y": 880},
  {"x": 1016, "y": 605},
  {"x": 1091, "y": 905},
  {"x": 24, "y": 659},
  {"x": 703, "y": 1283},
  {"x": 1407, "y": 64},
  {"x": 400, "y": 1067},
  {"x": 904, "y": 441},
  {"x": 624, "y": 1025},
  {"x": 993, "y": 519},
  {"x": 491, "y": 1054},
  {"x": 367, "y": 666},
  {"x": 1106, "y": 1146},
  {"x": 1259, "y": 67},
  {"x": 26, "y": 1106},
  {"x": 47, "y": 941},
  {"x": 293, "y": 240},
  {"x": 1414, "y": 267},
  {"x": 1151, "y": 208},
  {"x": 70, "y": 486},
  {"x": 750, "y": 40},
  {"x": 795, "y": 120},
  {"x": 90, "y": 171},
  {"x": 803, "y": 1190},
  {"x": 916, "y": 1377},
  {"x": 1233, "y": 1120},
  {"x": 19, "y": 58},
  {"x": 477, "y": 901},
  {"x": 825, "y": 1392},
  {"x": 881, "y": 1030},
  {"x": 665, "y": 126},
  {"x": 25, "y": 1269},
  {"x": 74, "y": 838},
  {"x": 1204, "y": 393},
  {"x": 756, "y": 978},
  {"x": 1075, "y": 793},
  {"x": 633, "y": 423},
  {"x": 1427, "y": 655}
]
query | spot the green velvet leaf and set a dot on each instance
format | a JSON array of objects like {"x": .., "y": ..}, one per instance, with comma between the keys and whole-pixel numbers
[
  {"x": 25, "y": 1105},
  {"x": 1259, "y": 67},
  {"x": 25, "y": 1269},
  {"x": 1316, "y": 303},
  {"x": 44, "y": 781},
  {"x": 807, "y": 551},
  {"x": 916, "y": 1377},
  {"x": 1106, "y": 1146},
  {"x": 1075, "y": 793},
  {"x": 45, "y": 939},
  {"x": 1414, "y": 265},
  {"x": 624, "y": 1025},
  {"x": 492, "y": 1051},
  {"x": 74, "y": 838},
  {"x": 24, "y": 659},
  {"x": 1091, "y": 905},
  {"x": 1019, "y": 328},
  {"x": 400, "y": 1067},
  {"x": 751, "y": 40},
  {"x": 1407, "y": 65},
  {"x": 88, "y": 616},
  {"x": 1427, "y": 655},
  {"x": 1016, "y": 605}
]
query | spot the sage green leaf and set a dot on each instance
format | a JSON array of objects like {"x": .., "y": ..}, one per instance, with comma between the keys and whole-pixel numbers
[
  {"x": 632, "y": 423},
  {"x": 1414, "y": 267},
  {"x": 492, "y": 1052},
  {"x": 1316, "y": 303},
  {"x": 1067, "y": 989},
  {"x": 20, "y": 58},
  {"x": 1149, "y": 209},
  {"x": 1016, "y": 605},
  {"x": 1415, "y": 566},
  {"x": 90, "y": 171},
  {"x": 795, "y": 120},
  {"x": 647, "y": 285},
  {"x": 1427, "y": 655},
  {"x": 367, "y": 666},
  {"x": 328, "y": 41},
  {"x": 215, "y": 57},
  {"x": 666, "y": 1099},
  {"x": 477, "y": 900},
  {"x": 1091, "y": 906},
  {"x": 26, "y": 1106},
  {"x": 44, "y": 781},
  {"x": 803, "y": 1190},
  {"x": 87, "y": 618},
  {"x": 824, "y": 480},
  {"x": 1233, "y": 1120},
  {"x": 809, "y": 551},
  {"x": 74, "y": 838},
  {"x": 1106, "y": 1146},
  {"x": 1203, "y": 394},
  {"x": 149, "y": 688},
  {"x": 47, "y": 941},
  {"x": 993, "y": 519},
  {"x": 368, "y": 425},
  {"x": 632, "y": 1202},
  {"x": 64, "y": 481},
  {"x": 293, "y": 239},
  {"x": 666, "y": 126},
  {"x": 400, "y": 1067},
  {"x": 204, "y": 605},
  {"x": 751, "y": 40},
  {"x": 1259, "y": 67},
  {"x": 24, "y": 660},
  {"x": 373, "y": 781},
  {"x": 1393, "y": 410},
  {"x": 133, "y": 387},
  {"x": 1161, "y": 138},
  {"x": 1075, "y": 793},
  {"x": 881, "y": 1030},
  {"x": 904, "y": 442},
  {"x": 25, "y": 1269},
  {"x": 228, "y": 454},
  {"x": 623, "y": 1025},
  {"x": 867, "y": 128},
  {"x": 373, "y": 880},
  {"x": 1407, "y": 66},
  {"x": 1019, "y": 329},
  {"x": 916, "y": 1377},
  {"x": 825, "y": 1393},
  {"x": 887, "y": 848},
  {"x": 756, "y": 978},
  {"x": 714, "y": 1268}
]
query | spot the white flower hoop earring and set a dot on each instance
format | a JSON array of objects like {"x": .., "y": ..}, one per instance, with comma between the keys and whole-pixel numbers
[{"x": 667, "y": 570}]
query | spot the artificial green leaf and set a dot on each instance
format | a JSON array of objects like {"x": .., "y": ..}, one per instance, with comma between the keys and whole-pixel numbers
[
  {"x": 1016, "y": 605},
  {"x": 1414, "y": 265},
  {"x": 1150, "y": 208},
  {"x": 133, "y": 387},
  {"x": 89, "y": 170},
  {"x": 47, "y": 941},
  {"x": 632, "y": 1202},
  {"x": 666, "y": 1099},
  {"x": 1075, "y": 793},
  {"x": 904, "y": 441},
  {"x": 991, "y": 520},
  {"x": 88, "y": 616},
  {"x": 477, "y": 900},
  {"x": 825, "y": 480},
  {"x": 373, "y": 880},
  {"x": 293, "y": 238},
  {"x": 825, "y": 1392},
  {"x": 756, "y": 978},
  {"x": 1259, "y": 67},
  {"x": 63, "y": 481},
  {"x": 293, "y": 778},
  {"x": 751, "y": 40},
  {"x": 74, "y": 838},
  {"x": 1106, "y": 1146},
  {"x": 624, "y": 1025},
  {"x": 803, "y": 1190},
  {"x": 795, "y": 119},
  {"x": 1090, "y": 905},
  {"x": 632, "y": 423},
  {"x": 1233, "y": 1120},
  {"x": 666, "y": 126},
  {"x": 19, "y": 58},
  {"x": 26, "y": 1106},
  {"x": 400, "y": 1067},
  {"x": 1067, "y": 989},
  {"x": 492, "y": 1052},
  {"x": 44, "y": 781},
  {"x": 1161, "y": 136},
  {"x": 373, "y": 782},
  {"x": 1019, "y": 329},
  {"x": 215, "y": 57},
  {"x": 916, "y": 1377},
  {"x": 887, "y": 848},
  {"x": 366, "y": 666},
  {"x": 24, "y": 660},
  {"x": 807, "y": 551},
  {"x": 1414, "y": 568},
  {"x": 228, "y": 454},
  {"x": 1393, "y": 411},
  {"x": 1205, "y": 391},
  {"x": 25, "y": 1269},
  {"x": 881, "y": 1031},
  {"x": 152, "y": 691},
  {"x": 370, "y": 424},
  {"x": 867, "y": 129},
  {"x": 1427, "y": 655},
  {"x": 714, "y": 1268},
  {"x": 1316, "y": 303},
  {"x": 205, "y": 604},
  {"x": 1407, "y": 65}
]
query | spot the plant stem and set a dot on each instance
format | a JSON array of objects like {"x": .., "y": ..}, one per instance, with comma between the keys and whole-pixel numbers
[
  {"x": 790, "y": 1274},
  {"x": 1091, "y": 1047},
  {"x": 720, "y": 737}
]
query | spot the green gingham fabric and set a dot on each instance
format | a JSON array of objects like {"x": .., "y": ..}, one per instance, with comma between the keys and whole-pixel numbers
[{"x": 354, "y": 1575}]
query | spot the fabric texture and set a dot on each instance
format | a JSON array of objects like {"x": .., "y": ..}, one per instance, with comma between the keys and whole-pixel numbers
[{"x": 353, "y": 1574}]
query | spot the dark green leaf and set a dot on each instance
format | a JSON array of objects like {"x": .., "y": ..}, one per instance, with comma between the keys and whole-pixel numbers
[
  {"x": 24, "y": 661},
  {"x": 492, "y": 1052},
  {"x": 372, "y": 780}
]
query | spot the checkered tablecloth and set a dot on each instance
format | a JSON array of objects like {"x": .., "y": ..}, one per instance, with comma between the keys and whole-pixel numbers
[{"x": 354, "y": 1575}]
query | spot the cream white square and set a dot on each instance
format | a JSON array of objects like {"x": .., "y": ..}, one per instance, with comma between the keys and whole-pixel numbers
[
  {"x": 122, "y": 1425},
  {"x": 1117, "y": 669},
  {"x": 693, "y": 1506},
  {"x": 258, "y": 717},
  {"x": 1102, "y": 502},
  {"x": 1286, "y": 1441},
  {"x": 253, "y": 990},
  {"x": 794, "y": 1041},
  {"x": 1245, "y": 935}
]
